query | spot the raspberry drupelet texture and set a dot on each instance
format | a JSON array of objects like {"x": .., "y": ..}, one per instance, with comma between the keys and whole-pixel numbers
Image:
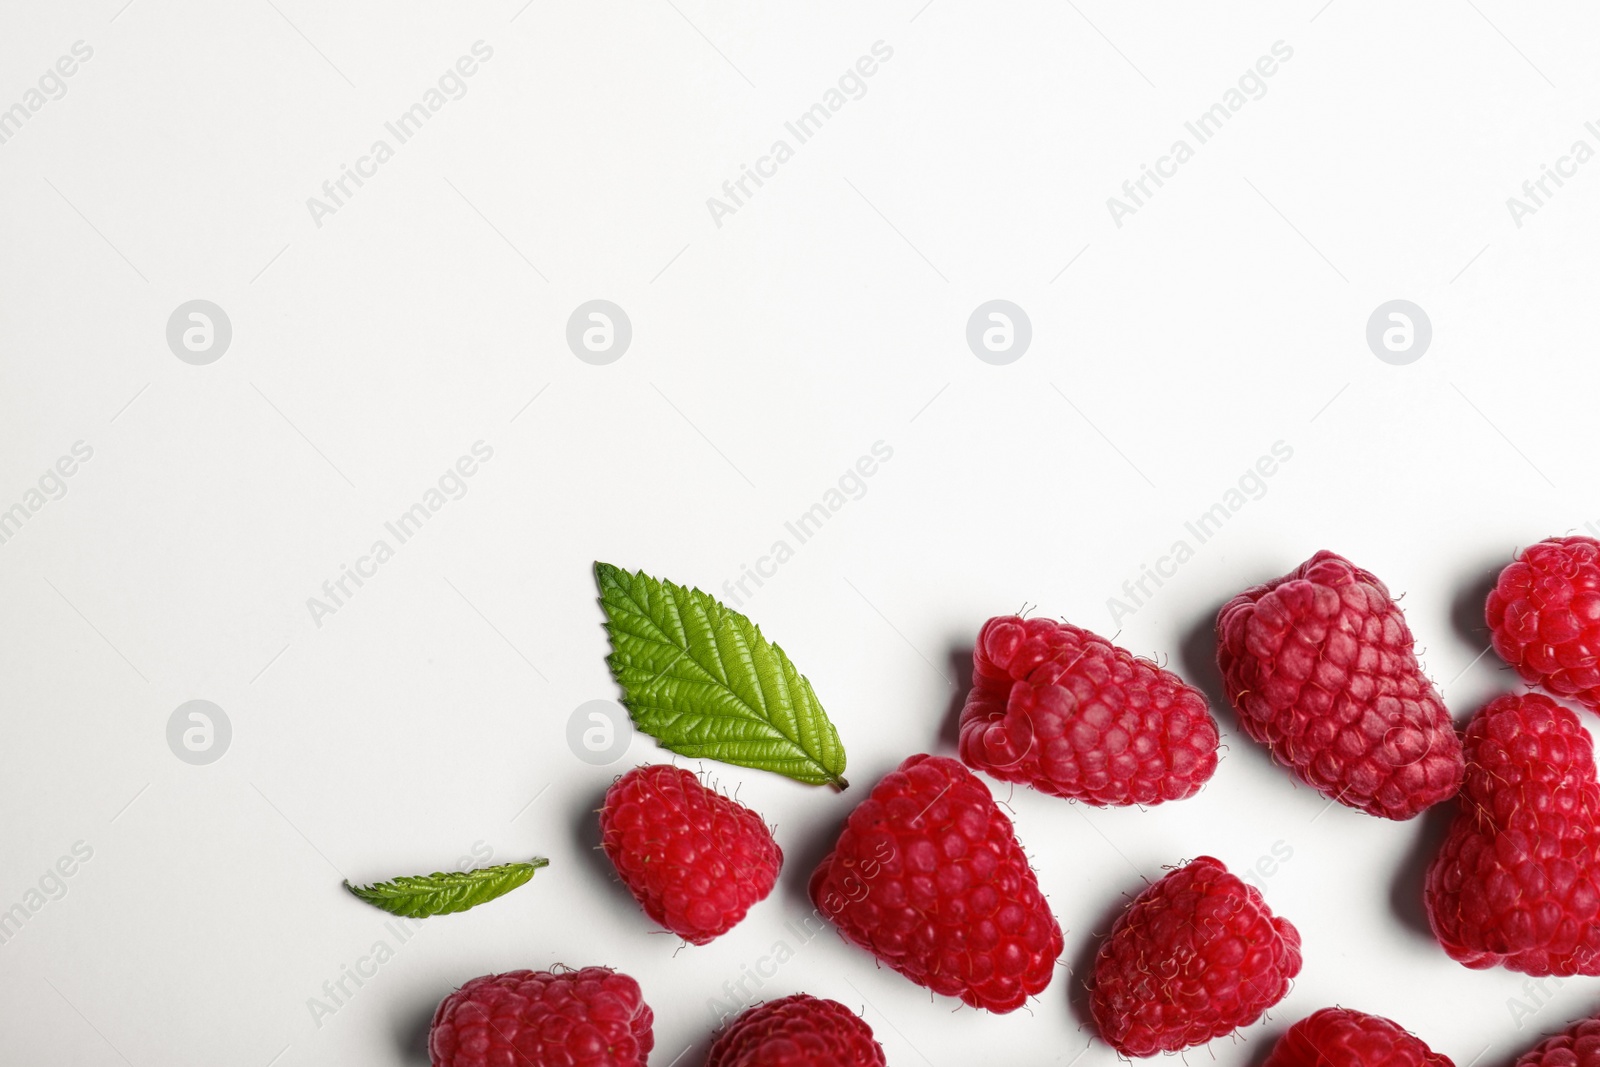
[
  {"x": 1069, "y": 713},
  {"x": 1322, "y": 669},
  {"x": 1195, "y": 956},
  {"x": 695, "y": 859},
  {"x": 1339, "y": 1037},
  {"x": 797, "y": 1031},
  {"x": 1517, "y": 883},
  {"x": 929, "y": 877},
  {"x": 1577, "y": 1046},
  {"x": 589, "y": 1018},
  {"x": 1544, "y": 615}
]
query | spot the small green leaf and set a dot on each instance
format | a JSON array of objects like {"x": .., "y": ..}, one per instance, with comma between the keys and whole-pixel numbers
[
  {"x": 701, "y": 679},
  {"x": 443, "y": 892}
]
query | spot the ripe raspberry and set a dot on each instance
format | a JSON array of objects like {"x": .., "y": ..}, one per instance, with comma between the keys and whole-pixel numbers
[
  {"x": 1544, "y": 613},
  {"x": 695, "y": 860},
  {"x": 1071, "y": 714},
  {"x": 928, "y": 876},
  {"x": 1195, "y": 956},
  {"x": 1338, "y": 1037},
  {"x": 1577, "y": 1046},
  {"x": 1517, "y": 882},
  {"x": 797, "y": 1031},
  {"x": 589, "y": 1018},
  {"x": 1320, "y": 664}
]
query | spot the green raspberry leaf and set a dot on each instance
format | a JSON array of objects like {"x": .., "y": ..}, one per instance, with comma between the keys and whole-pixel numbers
[
  {"x": 419, "y": 896},
  {"x": 701, "y": 679}
]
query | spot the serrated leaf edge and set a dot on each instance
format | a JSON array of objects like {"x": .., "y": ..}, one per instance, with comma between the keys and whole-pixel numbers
[
  {"x": 454, "y": 886},
  {"x": 721, "y": 619}
]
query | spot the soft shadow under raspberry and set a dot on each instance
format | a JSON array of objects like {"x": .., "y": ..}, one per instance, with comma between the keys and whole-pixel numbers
[
  {"x": 1081, "y": 966},
  {"x": 586, "y": 835},
  {"x": 1405, "y": 893},
  {"x": 958, "y": 660},
  {"x": 1466, "y": 608},
  {"x": 1466, "y": 619},
  {"x": 1263, "y": 1036},
  {"x": 803, "y": 854},
  {"x": 1197, "y": 655},
  {"x": 411, "y": 1035}
]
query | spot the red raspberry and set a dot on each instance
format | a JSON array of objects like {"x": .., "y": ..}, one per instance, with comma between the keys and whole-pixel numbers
[
  {"x": 1339, "y": 1037},
  {"x": 695, "y": 859},
  {"x": 1195, "y": 956},
  {"x": 1320, "y": 664},
  {"x": 797, "y": 1031},
  {"x": 589, "y": 1018},
  {"x": 1544, "y": 613},
  {"x": 1071, "y": 714},
  {"x": 1578, "y": 1046},
  {"x": 928, "y": 876},
  {"x": 1517, "y": 882}
]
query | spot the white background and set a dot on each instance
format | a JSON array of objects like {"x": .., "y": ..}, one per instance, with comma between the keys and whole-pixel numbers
[{"x": 827, "y": 314}]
